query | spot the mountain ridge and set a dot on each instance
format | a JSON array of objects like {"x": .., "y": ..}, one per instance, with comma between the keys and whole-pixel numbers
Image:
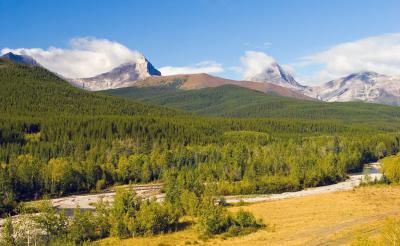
[
  {"x": 366, "y": 86},
  {"x": 203, "y": 80},
  {"x": 124, "y": 75},
  {"x": 238, "y": 102}
]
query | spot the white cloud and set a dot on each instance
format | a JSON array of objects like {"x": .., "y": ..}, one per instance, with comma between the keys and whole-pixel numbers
[
  {"x": 288, "y": 68},
  {"x": 380, "y": 54},
  {"x": 85, "y": 57},
  {"x": 201, "y": 67},
  {"x": 254, "y": 63}
]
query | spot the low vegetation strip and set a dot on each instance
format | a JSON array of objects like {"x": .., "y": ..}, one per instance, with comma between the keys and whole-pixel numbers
[
  {"x": 86, "y": 201},
  {"x": 372, "y": 170}
]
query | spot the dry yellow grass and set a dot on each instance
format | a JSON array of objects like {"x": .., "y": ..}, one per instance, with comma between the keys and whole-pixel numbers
[{"x": 325, "y": 219}]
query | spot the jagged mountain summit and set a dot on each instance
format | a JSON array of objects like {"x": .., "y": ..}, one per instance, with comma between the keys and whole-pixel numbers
[
  {"x": 277, "y": 75},
  {"x": 125, "y": 75},
  {"x": 364, "y": 86},
  {"x": 24, "y": 59}
]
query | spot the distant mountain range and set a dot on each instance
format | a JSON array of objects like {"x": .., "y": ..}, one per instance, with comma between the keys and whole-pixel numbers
[{"x": 364, "y": 86}]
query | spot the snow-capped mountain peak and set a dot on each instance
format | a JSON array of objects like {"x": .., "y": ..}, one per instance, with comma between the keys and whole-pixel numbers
[
  {"x": 277, "y": 75},
  {"x": 363, "y": 86},
  {"x": 124, "y": 75},
  {"x": 366, "y": 76}
]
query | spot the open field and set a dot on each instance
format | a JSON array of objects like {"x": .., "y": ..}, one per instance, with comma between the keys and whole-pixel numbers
[{"x": 322, "y": 219}]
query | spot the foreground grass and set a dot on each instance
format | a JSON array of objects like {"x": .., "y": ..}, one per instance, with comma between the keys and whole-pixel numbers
[{"x": 330, "y": 219}]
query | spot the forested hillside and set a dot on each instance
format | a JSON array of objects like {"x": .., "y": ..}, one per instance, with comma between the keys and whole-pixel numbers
[
  {"x": 56, "y": 139},
  {"x": 234, "y": 101},
  {"x": 33, "y": 91}
]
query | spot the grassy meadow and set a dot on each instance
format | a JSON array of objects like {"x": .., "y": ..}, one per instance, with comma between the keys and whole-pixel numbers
[{"x": 339, "y": 218}]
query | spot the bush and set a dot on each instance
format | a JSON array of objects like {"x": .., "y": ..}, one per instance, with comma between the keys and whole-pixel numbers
[
  {"x": 101, "y": 218},
  {"x": 125, "y": 206},
  {"x": 82, "y": 227},
  {"x": 245, "y": 219},
  {"x": 53, "y": 224},
  {"x": 189, "y": 202},
  {"x": 131, "y": 216},
  {"x": 100, "y": 184},
  {"x": 213, "y": 219},
  {"x": 153, "y": 218},
  {"x": 391, "y": 168},
  {"x": 244, "y": 223}
]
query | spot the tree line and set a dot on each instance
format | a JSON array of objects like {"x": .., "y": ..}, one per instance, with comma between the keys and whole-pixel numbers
[{"x": 64, "y": 156}]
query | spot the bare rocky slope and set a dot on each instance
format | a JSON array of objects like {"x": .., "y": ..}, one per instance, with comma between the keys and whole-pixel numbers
[
  {"x": 202, "y": 80},
  {"x": 124, "y": 75}
]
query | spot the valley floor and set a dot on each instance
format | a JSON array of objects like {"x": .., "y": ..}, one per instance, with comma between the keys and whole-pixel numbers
[
  {"x": 85, "y": 201},
  {"x": 335, "y": 218}
]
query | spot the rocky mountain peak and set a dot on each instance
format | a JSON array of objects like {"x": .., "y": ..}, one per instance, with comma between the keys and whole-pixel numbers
[
  {"x": 24, "y": 59},
  {"x": 277, "y": 75},
  {"x": 124, "y": 75}
]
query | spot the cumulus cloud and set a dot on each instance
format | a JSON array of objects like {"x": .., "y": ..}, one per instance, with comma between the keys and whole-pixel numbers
[
  {"x": 85, "y": 57},
  {"x": 254, "y": 63},
  {"x": 380, "y": 54},
  {"x": 201, "y": 67}
]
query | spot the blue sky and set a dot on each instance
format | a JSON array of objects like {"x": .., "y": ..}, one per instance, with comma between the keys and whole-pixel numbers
[{"x": 184, "y": 33}]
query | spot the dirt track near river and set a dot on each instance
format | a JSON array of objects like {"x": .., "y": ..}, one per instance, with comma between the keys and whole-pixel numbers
[{"x": 86, "y": 201}]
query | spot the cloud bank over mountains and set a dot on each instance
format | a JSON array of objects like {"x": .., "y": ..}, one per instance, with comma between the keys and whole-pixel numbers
[
  {"x": 254, "y": 63},
  {"x": 380, "y": 54},
  {"x": 201, "y": 67},
  {"x": 86, "y": 57}
]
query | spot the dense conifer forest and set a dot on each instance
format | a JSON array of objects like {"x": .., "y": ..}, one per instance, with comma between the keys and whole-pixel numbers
[
  {"x": 56, "y": 139},
  {"x": 239, "y": 102}
]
